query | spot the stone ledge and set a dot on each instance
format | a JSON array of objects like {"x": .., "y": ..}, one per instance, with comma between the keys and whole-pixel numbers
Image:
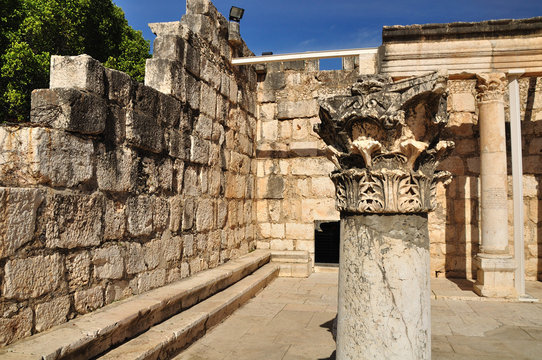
[
  {"x": 93, "y": 334},
  {"x": 171, "y": 336},
  {"x": 292, "y": 263}
]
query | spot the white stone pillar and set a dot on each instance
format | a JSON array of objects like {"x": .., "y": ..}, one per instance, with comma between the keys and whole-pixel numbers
[
  {"x": 384, "y": 288},
  {"x": 495, "y": 276},
  {"x": 383, "y": 140}
]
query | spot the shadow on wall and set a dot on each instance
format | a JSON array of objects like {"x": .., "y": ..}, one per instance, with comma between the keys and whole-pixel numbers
[
  {"x": 539, "y": 229},
  {"x": 533, "y": 166},
  {"x": 462, "y": 230}
]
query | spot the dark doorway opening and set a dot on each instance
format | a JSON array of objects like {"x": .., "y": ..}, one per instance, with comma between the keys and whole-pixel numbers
[{"x": 326, "y": 242}]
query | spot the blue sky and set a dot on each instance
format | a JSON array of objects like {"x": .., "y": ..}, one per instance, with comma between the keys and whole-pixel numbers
[{"x": 289, "y": 26}]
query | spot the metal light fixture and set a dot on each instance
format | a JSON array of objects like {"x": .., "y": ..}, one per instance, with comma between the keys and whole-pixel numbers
[{"x": 236, "y": 13}]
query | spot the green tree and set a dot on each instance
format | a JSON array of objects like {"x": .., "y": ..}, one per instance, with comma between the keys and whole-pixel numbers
[{"x": 32, "y": 30}]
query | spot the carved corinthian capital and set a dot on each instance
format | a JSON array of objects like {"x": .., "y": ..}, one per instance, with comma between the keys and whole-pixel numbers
[
  {"x": 384, "y": 140},
  {"x": 491, "y": 87}
]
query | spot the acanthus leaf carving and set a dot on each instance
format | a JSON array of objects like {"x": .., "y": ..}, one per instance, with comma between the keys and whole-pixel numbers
[
  {"x": 384, "y": 141},
  {"x": 491, "y": 87}
]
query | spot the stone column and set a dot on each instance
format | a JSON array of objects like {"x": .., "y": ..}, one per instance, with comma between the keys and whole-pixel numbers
[
  {"x": 495, "y": 276},
  {"x": 383, "y": 139}
]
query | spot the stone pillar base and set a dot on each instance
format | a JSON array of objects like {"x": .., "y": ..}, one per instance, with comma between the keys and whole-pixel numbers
[{"x": 495, "y": 276}]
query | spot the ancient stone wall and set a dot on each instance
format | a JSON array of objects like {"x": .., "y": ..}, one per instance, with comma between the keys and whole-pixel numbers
[
  {"x": 293, "y": 184},
  {"x": 294, "y": 189},
  {"x": 116, "y": 187}
]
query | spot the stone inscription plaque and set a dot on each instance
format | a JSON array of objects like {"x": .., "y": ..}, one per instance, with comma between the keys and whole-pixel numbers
[{"x": 494, "y": 198}]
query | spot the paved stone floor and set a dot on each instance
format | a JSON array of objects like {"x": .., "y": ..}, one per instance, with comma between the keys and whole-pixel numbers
[{"x": 292, "y": 319}]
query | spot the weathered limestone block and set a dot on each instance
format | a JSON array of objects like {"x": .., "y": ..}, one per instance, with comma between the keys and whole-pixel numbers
[
  {"x": 73, "y": 220},
  {"x": 192, "y": 60},
  {"x": 80, "y": 72},
  {"x": 172, "y": 247},
  {"x": 117, "y": 291},
  {"x": 166, "y": 76},
  {"x": 188, "y": 213},
  {"x": 170, "y": 110},
  {"x": 203, "y": 7},
  {"x": 297, "y": 109},
  {"x": 178, "y": 144},
  {"x": 78, "y": 270},
  {"x": 108, "y": 263},
  {"x": 151, "y": 280},
  {"x": 188, "y": 245},
  {"x": 211, "y": 73},
  {"x": 135, "y": 261},
  {"x": 204, "y": 126},
  {"x": 86, "y": 301},
  {"x": 69, "y": 109},
  {"x": 139, "y": 211},
  {"x": 52, "y": 313},
  {"x": 16, "y": 327},
  {"x": 18, "y": 209},
  {"x": 175, "y": 213},
  {"x": 160, "y": 215},
  {"x": 463, "y": 102},
  {"x": 115, "y": 124},
  {"x": 203, "y": 26},
  {"x": 32, "y": 277},
  {"x": 144, "y": 131},
  {"x": 153, "y": 254},
  {"x": 118, "y": 86},
  {"x": 208, "y": 100},
  {"x": 114, "y": 220},
  {"x": 199, "y": 150},
  {"x": 169, "y": 47},
  {"x": 116, "y": 170},
  {"x": 172, "y": 28},
  {"x": 298, "y": 231},
  {"x": 193, "y": 91},
  {"x": 31, "y": 156},
  {"x": 205, "y": 215},
  {"x": 383, "y": 139},
  {"x": 311, "y": 167}
]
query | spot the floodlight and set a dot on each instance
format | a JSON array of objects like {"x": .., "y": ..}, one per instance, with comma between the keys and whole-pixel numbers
[{"x": 236, "y": 13}]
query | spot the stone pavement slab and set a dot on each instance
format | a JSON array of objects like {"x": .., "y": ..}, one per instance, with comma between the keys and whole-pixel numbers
[{"x": 291, "y": 319}]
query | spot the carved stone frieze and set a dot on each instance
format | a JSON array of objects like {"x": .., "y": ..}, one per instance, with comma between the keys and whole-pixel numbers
[
  {"x": 491, "y": 86},
  {"x": 384, "y": 141}
]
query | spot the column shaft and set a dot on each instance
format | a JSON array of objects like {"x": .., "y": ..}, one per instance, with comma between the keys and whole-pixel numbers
[
  {"x": 493, "y": 209},
  {"x": 495, "y": 275},
  {"x": 384, "y": 290}
]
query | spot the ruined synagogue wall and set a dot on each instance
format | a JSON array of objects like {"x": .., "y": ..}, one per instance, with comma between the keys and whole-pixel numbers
[
  {"x": 293, "y": 186},
  {"x": 454, "y": 227},
  {"x": 116, "y": 187}
]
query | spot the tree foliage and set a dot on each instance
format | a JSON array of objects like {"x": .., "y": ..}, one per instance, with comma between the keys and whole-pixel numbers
[{"x": 33, "y": 30}]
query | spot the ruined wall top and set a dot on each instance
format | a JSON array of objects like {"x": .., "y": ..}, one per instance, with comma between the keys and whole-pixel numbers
[{"x": 463, "y": 30}]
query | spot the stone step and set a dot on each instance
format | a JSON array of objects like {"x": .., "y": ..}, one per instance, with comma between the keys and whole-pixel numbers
[
  {"x": 87, "y": 336},
  {"x": 333, "y": 269},
  {"x": 169, "y": 337},
  {"x": 293, "y": 263}
]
